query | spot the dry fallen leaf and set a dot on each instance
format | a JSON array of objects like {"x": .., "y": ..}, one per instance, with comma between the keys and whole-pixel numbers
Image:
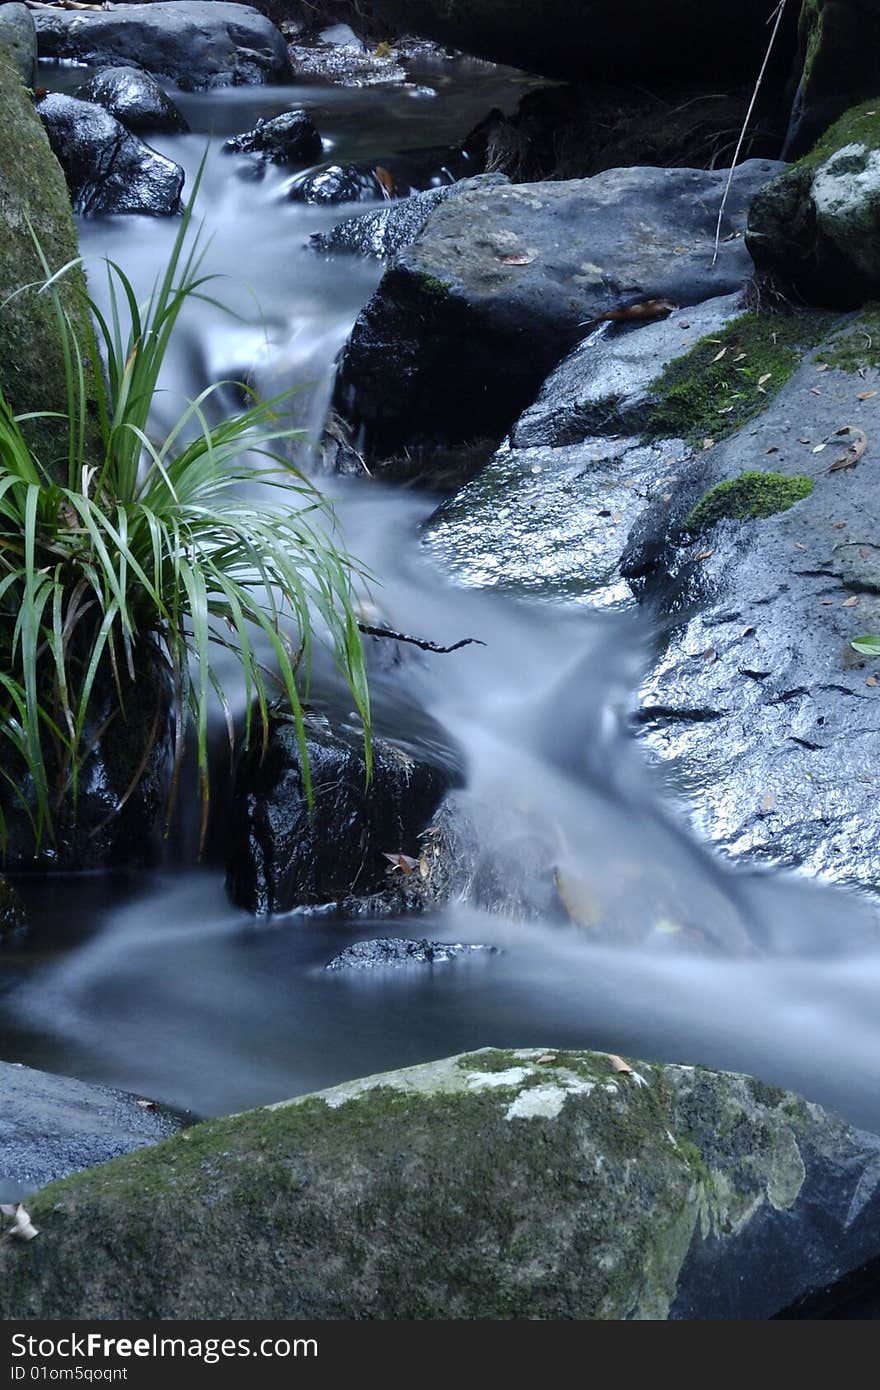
[
  {"x": 872, "y": 680},
  {"x": 822, "y": 367},
  {"x": 618, "y": 1064},
  {"x": 768, "y": 804},
  {"x": 547, "y": 1059},
  {"x": 765, "y": 377},
  {"x": 817, "y": 449},
  {"x": 718, "y": 356},
  {"x": 147, "y": 1105},
  {"x": 708, "y": 443},
  {"x": 851, "y": 602},
  {"x": 864, "y": 552},
  {"x": 404, "y": 862},
  {"x": 855, "y": 450},
  {"x": 523, "y": 258},
  {"x": 385, "y": 178},
  {"x": 747, "y": 632},
  {"x": 814, "y": 390},
  {"x": 710, "y": 655},
  {"x": 704, "y": 554},
  {"x": 866, "y": 395}
]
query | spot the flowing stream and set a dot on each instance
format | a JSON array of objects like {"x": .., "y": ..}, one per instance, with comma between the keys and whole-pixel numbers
[{"x": 152, "y": 982}]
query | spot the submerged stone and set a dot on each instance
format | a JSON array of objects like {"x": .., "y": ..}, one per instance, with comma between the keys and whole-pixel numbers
[
  {"x": 397, "y": 951},
  {"x": 534, "y": 1183}
]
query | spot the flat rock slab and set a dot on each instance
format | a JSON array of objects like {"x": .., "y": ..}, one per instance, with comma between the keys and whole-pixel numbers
[
  {"x": 195, "y": 43},
  {"x": 525, "y": 1184},
  {"x": 502, "y": 282},
  {"x": 769, "y": 717},
  {"x": 51, "y": 1126}
]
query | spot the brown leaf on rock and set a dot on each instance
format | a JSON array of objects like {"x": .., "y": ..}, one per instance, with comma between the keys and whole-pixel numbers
[
  {"x": 704, "y": 554},
  {"x": 404, "y": 862},
  {"x": 768, "y": 804},
  {"x": 855, "y": 450},
  {"x": 851, "y": 602},
  {"x": 619, "y": 1065},
  {"x": 866, "y": 395},
  {"x": 520, "y": 258}
]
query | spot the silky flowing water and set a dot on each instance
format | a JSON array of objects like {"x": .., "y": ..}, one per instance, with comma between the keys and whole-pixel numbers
[{"x": 152, "y": 982}]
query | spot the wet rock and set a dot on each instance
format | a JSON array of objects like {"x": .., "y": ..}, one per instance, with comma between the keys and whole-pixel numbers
[
  {"x": 389, "y": 229},
  {"x": 397, "y": 176},
  {"x": 552, "y": 522},
  {"x": 33, "y": 191},
  {"x": 397, "y": 951},
  {"x": 13, "y": 919},
  {"x": 195, "y": 43},
  {"x": 768, "y": 716},
  {"x": 51, "y": 1126},
  {"x": 19, "y": 38},
  {"x": 838, "y": 42},
  {"x": 565, "y": 1189},
  {"x": 604, "y": 386},
  {"x": 291, "y": 139},
  {"x": 108, "y": 170},
  {"x": 636, "y": 39},
  {"x": 503, "y": 282},
  {"x": 283, "y": 856},
  {"x": 134, "y": 98},
  {"x": 337, "y": 54},
  {"x": 817, "y": 226}
]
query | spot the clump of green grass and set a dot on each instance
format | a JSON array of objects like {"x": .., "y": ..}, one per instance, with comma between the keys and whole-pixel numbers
[{"x": 151, "y": 544}]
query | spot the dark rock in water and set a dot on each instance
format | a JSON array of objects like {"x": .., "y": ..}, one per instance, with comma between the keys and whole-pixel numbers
[
  {"x": 389, "y": 229},
  {"x": 195, "y": 43},
  {"x": 108, "y": 170},
  {"x": 759, "y": 702},
  {"x": 13, "y": 919},
  {"x": 817, "y": 226},
  {"x": 134, "y": 98},
  {"x": 291, "y": 138},
  {"x": 837, "y": 59},
  {"x": 51, "y": 1126},
  {"x": 19, "y": 39},
  {"x": 395, "y": 951},
  {"x": 503, "y": 282},
  {"x": 563, "y": 1188},
  {"x": 282, "y": 856},
  {"x": 397, "y": 176}
]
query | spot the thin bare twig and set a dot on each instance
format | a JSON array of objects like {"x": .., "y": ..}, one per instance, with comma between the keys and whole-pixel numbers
[
  {"x": 780, "y": 11},
  {"x": 419, "y": 641}
]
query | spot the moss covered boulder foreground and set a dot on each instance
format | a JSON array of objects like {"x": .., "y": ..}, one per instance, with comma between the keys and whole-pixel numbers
[
  {"x": 817, "y": 226},
  {"x": 497, "y": 1185},
  {"x": 34, "y": 200}
]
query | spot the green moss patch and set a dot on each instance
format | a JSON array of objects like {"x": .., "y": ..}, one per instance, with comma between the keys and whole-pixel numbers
[
  {"x": 858, "y": 345},
  {"x": 727, "y": 378},
  {"x": 749, "y": 497},
  {"x": 858, "y": 126}
]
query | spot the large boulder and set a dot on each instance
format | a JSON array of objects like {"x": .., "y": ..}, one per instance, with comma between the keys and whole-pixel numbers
[
  {"x": 33, "y": 196},
  {"x": 134, "y": 98},
  {"x": 195, "y": 43},
  {"x": 765, "y": 550},
  {"x": 597, "y": 39},
  {"x": 51, "y": 1126},
  {"x": 504, "y": 281},
  {"x": 524, "y": 1184},
  {"x": 108, "y": 170},
  {"x": 838, "y": 42},
  {"x": 18, "y": 37},
  {"x": 284, "y": 854},
  {"x": 817, "y": 226}
]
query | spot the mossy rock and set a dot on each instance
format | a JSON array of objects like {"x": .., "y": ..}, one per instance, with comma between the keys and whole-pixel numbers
[
  {"x": 836, "y": 66},
  {"x": 502, "y": 1184},
  {"x": 727, "y": 378},
  {"x": 817, "y": 226},
  {"x": 33, "y": 195},
  {"x": 749, "y": 497}
]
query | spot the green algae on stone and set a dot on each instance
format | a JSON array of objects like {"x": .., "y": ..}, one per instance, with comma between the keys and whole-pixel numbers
[
  {"x": 726, "y": 379},
  {"x": 857, "y": 346},
  {"x": 33, "y": 195},
  {"x": 752, "y": 496},
  {"x": 522, "y": 1183}
]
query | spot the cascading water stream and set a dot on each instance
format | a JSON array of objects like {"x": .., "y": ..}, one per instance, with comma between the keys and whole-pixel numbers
[{"x": 154, "y": 983}]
